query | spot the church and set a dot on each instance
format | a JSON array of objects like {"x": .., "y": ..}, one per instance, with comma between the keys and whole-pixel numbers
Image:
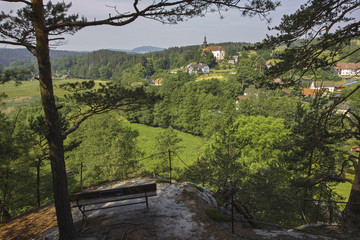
[{"x": 217, "y": 51}]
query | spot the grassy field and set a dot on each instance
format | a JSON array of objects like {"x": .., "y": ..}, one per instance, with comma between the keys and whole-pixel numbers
[
  {"x": 146, "y": 140},
  {"x": 31, "y": 88},
  {"x": 210, "y": 76},
  {"x": 220, "y": 74},
  {"x": 28, "y": 92}
]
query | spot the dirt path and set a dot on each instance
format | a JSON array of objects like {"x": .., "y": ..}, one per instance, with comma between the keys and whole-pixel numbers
[{"x": 30, "y": 225}]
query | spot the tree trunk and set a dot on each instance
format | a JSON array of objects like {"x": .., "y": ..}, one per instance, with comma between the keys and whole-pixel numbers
[
  {"x": 55, "y": 140},
  {"x": 351, "y": 213},
  {"x": 38, "y": 182},
  {"x": 4, "y": 214}
]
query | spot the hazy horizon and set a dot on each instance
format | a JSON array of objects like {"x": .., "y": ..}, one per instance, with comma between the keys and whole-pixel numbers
[{"x": 145, "y": 32}]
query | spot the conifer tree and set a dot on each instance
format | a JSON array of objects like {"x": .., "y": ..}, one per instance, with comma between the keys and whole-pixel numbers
[{"x": 316, "y": 35}]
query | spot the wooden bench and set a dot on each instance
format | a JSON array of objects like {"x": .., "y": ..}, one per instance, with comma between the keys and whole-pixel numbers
[{"x": 84, "y": 199}]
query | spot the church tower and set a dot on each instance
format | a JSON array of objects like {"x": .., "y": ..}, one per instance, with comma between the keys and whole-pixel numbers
[{"x": 204, "y": 43}]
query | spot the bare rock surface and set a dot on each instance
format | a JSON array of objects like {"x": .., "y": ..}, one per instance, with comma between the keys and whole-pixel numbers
[{"x": 177, "y": 212}]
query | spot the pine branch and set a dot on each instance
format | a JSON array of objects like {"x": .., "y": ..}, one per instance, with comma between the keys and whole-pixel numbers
[
  {"x": 172, "y": 12},
  {"x": 23, "y": 1}
]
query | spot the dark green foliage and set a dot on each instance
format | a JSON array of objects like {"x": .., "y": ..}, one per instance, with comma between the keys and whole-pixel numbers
[
  {"x": 86, "y": 65},
  {"x": 216, "y": 215},
  {"x": 200, "y": 108},
  {"x": 208, "y": 58},
  {"x": 269, "y": 103},
  {"x": 107, "y": 150},
  {"x": 249, "y": 70},
  {"x": 16, "y": 75}
]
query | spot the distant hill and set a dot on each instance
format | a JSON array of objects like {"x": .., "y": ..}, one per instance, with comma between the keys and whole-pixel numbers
[
  {"x": 140, "y": 50},
  {"x": 146, "y": 49},
  {"x": 8, "y": 55}
]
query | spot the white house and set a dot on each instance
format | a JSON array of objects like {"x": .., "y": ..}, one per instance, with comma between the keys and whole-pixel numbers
[
  {"x": 217, "y": 51},
  {"x": 323, "y": 85},
  {"x": 198, "y": 68},
  {"x": 346, "y": 69}
]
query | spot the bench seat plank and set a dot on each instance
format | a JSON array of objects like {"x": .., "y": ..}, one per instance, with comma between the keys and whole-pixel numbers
[
  {"x": 121, "y": 191},
  {"x": 113, "y": 199},
  {"x": 83, "y": 199}
]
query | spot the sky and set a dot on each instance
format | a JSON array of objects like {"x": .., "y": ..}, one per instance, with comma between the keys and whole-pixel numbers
[{"x": 144, "y": 32}]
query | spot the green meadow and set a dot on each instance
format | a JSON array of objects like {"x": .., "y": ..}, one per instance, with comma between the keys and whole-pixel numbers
[
  {"x": 147, "y": 139},
  {"x": 28, "y": 92},
  {"x": 31, "y": 88}
]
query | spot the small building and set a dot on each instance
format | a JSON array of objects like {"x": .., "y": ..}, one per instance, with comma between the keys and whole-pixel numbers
[
  {"x": 268, "y": 64},
  {"x": 308, "y": 92},
  {"x": 278, "y": 81},
  {"x": 198, "y": 68},
  {"x": 355, "y": 149},
  {"x": 343, "y": 108},
  {"x": 233, "y": 59},
  {"x": 347, "y": 69},
  {"x": 158, "y": 82},
  {"x": 319, "y": 85}
]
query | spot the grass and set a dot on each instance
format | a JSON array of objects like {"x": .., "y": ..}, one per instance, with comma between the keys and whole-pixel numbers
[
  {"x": 27, "y": 92},
  {"x": 147, "y": 142},
  {"x": 343, "y": 189},
  {"x": 31, "y": 88},
  {"x": 210, "y": 76},
  {"x": 216, "y": 73}
]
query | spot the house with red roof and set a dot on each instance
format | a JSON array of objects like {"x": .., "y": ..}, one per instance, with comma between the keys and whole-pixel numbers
[
  {"x": 158, "y": 82},
  {"x": 217, "y": 51},
  {"x": 347, "y": 69}
]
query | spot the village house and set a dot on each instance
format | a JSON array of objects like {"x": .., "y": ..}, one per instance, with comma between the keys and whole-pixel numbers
[
  {"x": 233, "y": 59},
  {"x": 308, "y": 92},
  {"x": 217, "y": 51},
  {"x": 323, "y": 85},
  {"x": 347, "y": 69},
  {"x": 198, "y": 68},
  {"x": 268, "y": 64},
  {"x": 158, "y": 82},
  {"x": 355, "y": 149}
]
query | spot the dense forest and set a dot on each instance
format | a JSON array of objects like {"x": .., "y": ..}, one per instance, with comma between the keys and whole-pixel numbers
[{"x": 265, "y": 143}]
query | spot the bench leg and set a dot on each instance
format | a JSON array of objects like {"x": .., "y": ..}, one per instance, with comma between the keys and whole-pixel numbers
[
  {"x": 82, "y": 209},
  {"x": 147, "y": 203},
  {"x": 83, "y": 212}
]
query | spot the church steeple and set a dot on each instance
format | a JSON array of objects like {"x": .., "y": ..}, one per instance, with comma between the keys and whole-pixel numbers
[{"x": 205, "y": 43}]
